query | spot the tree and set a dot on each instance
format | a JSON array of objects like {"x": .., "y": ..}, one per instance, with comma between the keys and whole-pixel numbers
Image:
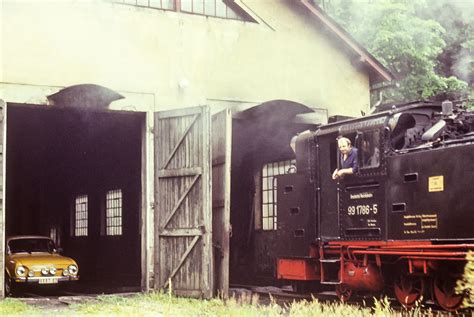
[
  {"x": 457, "y": 18},
  {"x": 466, "y": 284},
  {"x": 407, "y": 42}
]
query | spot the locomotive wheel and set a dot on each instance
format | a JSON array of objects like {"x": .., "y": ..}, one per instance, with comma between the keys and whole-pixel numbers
[
  {"x": 444, "y": 293},
  {"x": 344, "y": 292},
  {"x": 408, "y": 290}
]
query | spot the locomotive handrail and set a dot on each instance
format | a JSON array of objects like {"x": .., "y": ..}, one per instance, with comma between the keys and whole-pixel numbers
[
  {"x": 429, "y": 258},
  {"x": 408, "y": 253},
  {"x": 405, "y": 245},
  {"x": 432, "y": 144},
  {"x": 358, "y": 186},
  {"x": 412, "y": 251},
  {"x": 431, "y": 246}
]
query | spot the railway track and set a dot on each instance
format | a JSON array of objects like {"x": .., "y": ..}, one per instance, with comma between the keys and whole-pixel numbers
[{"x": 286, "y": 295}]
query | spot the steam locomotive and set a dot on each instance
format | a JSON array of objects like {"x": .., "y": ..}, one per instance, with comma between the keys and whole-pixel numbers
[{"x": 402, "y": 223}]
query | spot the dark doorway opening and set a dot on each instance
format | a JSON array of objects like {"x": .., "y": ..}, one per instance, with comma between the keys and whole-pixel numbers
[
  {"x": 75, "y": 176},
  {"x": 261, "y": 151}
]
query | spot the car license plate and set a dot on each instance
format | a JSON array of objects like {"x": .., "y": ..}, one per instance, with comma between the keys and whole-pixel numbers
[{"x": 48, "y": 280}]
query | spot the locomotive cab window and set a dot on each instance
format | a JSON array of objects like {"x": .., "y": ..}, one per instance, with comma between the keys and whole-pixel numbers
[
  {"x": 335, "y": 148},
  {"x": 369, "y": 149}
]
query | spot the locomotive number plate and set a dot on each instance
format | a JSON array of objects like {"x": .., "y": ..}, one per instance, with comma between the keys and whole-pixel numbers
[{"x": 363, "y": 210}]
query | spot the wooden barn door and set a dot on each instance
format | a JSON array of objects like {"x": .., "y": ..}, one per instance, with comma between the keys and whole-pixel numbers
[
  {"x": 3, "y": 120},
  {"x": 221, "y": 159},
  {"x": 183, "y": 214}
]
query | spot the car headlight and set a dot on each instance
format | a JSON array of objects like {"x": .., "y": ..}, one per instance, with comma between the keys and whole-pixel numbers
[
  {"x": 44, "y": 271},
  {"x": 52, "y": 271},
  {"x": 72, "y": 269},
  {"x": 20, "y": 270},
  {"x": 31, "y": 273}
]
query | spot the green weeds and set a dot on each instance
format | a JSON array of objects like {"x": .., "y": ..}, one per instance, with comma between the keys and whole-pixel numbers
[
  {"x": 166, "y": 304},
  {"x": 14, "y": 307},
  {"x": 466, "y": 285}
]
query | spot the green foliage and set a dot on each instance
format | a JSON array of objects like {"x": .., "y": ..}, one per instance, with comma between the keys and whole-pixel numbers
[
  {"x": 457, "y": 18},
  {"x": 316, "y": 308},
  {"x": 466, "y": 285},
  {"x": 408, "y": 39},
  {"x": 14, "y": 307}
]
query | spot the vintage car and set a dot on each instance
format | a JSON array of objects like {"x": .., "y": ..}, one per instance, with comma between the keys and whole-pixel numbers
[{"x": 35, "y": 260}]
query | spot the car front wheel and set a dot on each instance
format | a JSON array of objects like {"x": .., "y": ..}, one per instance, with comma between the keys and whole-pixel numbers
[{"x": 8, "y": 286}]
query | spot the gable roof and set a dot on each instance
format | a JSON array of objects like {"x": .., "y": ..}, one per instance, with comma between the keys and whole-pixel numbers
[{"x": 377, "y": 72}]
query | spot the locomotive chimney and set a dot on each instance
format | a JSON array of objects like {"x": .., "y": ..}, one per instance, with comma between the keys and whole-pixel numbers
[{"x": 447, "y": 108}]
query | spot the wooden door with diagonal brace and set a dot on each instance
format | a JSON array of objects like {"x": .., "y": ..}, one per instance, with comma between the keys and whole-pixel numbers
[{"x": 183, "y": 213}]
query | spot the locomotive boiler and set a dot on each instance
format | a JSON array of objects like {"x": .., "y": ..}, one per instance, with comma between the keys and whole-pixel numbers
[{"x": 402, "y": 223}]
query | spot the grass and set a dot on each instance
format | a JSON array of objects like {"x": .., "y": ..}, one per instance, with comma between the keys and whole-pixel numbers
[
  {"x": 14, "y": 307},
  {"x": 162, "y": 304},
  {"x": 153, "y": 304}
]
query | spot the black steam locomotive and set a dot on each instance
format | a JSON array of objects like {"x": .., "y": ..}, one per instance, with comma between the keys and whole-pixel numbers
[{"x": 403, "y": 222}]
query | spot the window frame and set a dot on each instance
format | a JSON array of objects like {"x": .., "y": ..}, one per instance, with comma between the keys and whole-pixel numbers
[
  {"x": 238, "y": 14},
  {"x": 111, "y": 230},
  {"x": 84, "y": 220},
  {"x": 268, "y": 221},
  {"x": 376, "y": 146},
  {"x": 353, "y": 137}
]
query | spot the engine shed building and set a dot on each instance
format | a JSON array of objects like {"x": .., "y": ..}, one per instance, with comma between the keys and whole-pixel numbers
[{"x": 142, "y": 184}]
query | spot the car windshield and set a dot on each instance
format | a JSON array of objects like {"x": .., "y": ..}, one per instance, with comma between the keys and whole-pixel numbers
[{"x": 31, "y": 245}]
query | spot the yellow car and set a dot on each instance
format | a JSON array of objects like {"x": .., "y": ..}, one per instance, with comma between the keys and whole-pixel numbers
[{"x": 36, "y": 260}]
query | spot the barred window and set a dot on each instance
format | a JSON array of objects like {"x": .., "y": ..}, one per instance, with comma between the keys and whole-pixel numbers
[
  {"x": 113, "y": 213},
  {"x": 81, "y": 216},
  {"x": 269, "y": 190},
  {"x": 158, "y": 4},
  {"x": 215, "y": 8}
]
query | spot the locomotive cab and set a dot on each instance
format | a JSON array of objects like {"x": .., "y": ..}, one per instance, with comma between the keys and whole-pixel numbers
[
  {"x": 361, "y": 196},
  {"x": 351, "y": 208}
]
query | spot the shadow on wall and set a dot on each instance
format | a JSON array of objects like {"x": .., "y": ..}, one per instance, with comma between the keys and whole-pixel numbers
[
  {"x": 88, "y": 96},
  {"x": 260, "y": 135}
]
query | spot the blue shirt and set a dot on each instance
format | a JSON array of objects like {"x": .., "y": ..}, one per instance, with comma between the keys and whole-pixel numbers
[{"x": 351, "y": 160}]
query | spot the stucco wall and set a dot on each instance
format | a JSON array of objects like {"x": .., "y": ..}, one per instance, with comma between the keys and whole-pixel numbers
[
  {"x": 181, "y": 59},
  {"x": 161, "y": 60}
]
